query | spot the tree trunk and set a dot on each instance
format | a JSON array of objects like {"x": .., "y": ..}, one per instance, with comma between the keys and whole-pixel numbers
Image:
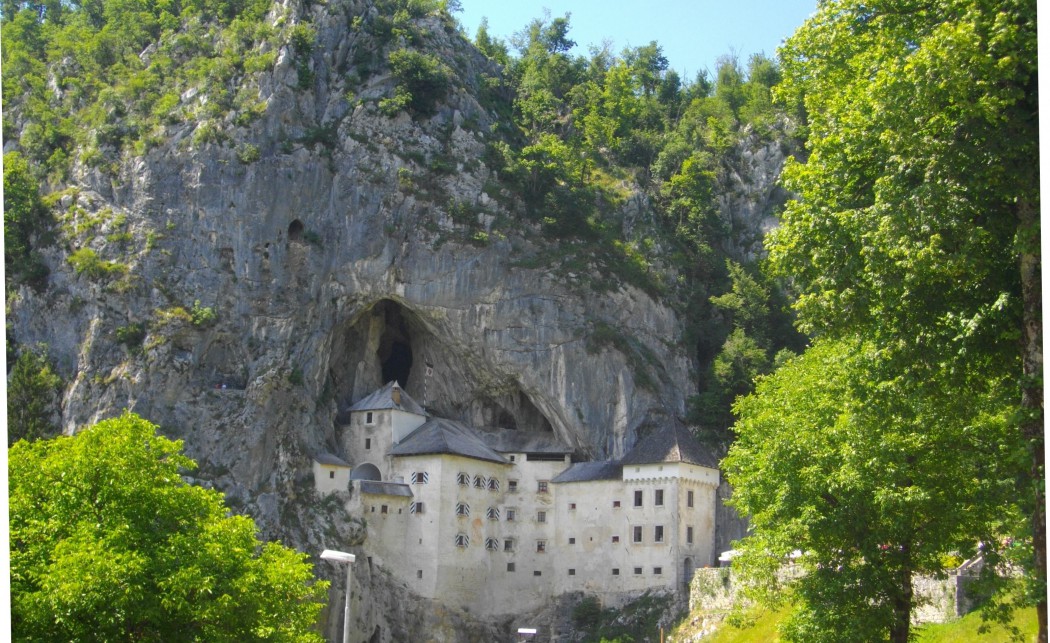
[
  {"x": 900, "y": 628},
  {"x": 1032, "y": 392}
]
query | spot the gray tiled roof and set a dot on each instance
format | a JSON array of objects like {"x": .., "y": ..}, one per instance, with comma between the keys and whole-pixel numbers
[
  {"x": 328, "y": 458},
  {"x": 672, "y": 442},
  {"x": 386, "y": 488},
  {"x": 588, "y": 471},
  {"x": 438, "y": 435},
  {"x": 383, "y": 399},
  {"x": 510, "y": 441}
]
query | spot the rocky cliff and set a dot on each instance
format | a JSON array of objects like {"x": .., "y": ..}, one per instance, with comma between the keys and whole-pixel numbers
[{"x": 242, "y": 290}]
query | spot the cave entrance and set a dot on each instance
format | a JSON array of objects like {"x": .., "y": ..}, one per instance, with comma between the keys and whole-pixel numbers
[
  {"x": 295, "y": 230},
  {"x": 395, "y": 344}
]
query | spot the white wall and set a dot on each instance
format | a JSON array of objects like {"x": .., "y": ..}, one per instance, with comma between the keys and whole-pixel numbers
[{"x": 331, "y": 478}]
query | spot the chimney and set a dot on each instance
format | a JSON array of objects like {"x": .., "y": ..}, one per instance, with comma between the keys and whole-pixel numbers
[{"x": 395, "y": 394}]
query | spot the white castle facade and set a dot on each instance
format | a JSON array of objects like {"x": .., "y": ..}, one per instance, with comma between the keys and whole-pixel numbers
[{"x": 501, "y": 521}]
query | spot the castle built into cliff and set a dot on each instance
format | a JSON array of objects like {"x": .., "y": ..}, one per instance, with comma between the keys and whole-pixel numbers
[{"x": 501, "y": 521}]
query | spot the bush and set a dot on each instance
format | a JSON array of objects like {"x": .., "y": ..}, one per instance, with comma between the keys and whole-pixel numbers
[{"x": 423, "y": 80}]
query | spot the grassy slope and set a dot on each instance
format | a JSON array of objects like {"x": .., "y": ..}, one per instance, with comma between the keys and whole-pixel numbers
[{"x": 764, "y": 629}]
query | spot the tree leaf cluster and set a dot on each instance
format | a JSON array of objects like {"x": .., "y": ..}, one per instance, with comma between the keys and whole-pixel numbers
[{"x": 108, "y": 542}]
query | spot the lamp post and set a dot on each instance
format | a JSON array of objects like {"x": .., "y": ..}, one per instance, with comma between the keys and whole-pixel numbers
[{"x": 343, "y": 557}]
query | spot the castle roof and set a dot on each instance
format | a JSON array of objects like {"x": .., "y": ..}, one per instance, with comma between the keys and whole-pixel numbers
[
  {"x": 386, "y": 488},
  {"x": 391, "y": 396},
  {"x": 329, "y": 459},
  {"x": 672, "y": 442},
  {"x": 511, "y": 441},
  {"x": 588, "y": 471},
  {"x": 441, "y": 436}
]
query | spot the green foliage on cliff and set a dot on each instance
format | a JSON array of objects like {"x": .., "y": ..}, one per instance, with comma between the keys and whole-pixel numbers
[
  {"x": 109, "y": 543},
  {"x": 33, "y": 396}
]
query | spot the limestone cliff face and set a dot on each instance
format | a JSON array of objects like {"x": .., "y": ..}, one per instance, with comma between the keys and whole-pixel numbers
[{"x": 356, "y": 248}]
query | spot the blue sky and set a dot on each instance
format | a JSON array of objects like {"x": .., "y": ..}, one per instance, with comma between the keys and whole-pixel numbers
[{"x": 692, "y": 33}]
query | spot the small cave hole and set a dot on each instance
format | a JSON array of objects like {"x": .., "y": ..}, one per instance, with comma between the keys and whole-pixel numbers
[{"x": 295, "y": 230}]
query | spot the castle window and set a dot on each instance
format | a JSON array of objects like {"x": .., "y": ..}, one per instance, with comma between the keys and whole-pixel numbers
[
  {"x": 331, "y": 475},
  {"x": 659, "y": 498},
  {"x": 572, "y": 541},
  {"x": 616, "y": 539},
  {"x": 638, "y": 498},
  {"x": 616, "y": 571},
  {"x": 616, "y": 504},
  {"x": 415, "y": 508},
  {"x": 383, "y": 509},
  {"x": 689, "y": 498},
  {"x": 419, "y": 573},
  {"x": 420, "y": 477},
  {"x": 637, "y": 570},
  {"x": 368, "y": 443},
  {"x": 508, "y": 545},
  {"x": 657, "y": 571},
  {"x": 689, "y": 535},
  {"x": 479, "y": 482},
  {"x": 541, "y": 516},
  {"x": 510, "y": 567},
  {"x": 572, "y": 506},
  {"x": 541, "y": 546},
  {"x": 512, "y": 486},
  {"x": 537, "y": 573},
  {"x": 492, "y": 513},
  {"x": 572, "y": 572},
  {"x": 463, "y": 479},
  {"x": 658, "y": 534},
  {"x": 462, "y": 540},
  {"x": 637, "y": 534},
  {"x": 462, "y": 509},
  {"x": 370, "y": 418},
  {"x": 493, "y": 484},
  {"x": 541, "y": 486},
  {"x": 491, "y": 544},
  {"x": 512, "y": 515}
]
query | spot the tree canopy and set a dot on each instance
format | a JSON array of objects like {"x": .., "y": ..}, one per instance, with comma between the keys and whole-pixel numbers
[
  {"x": 915, "y": 228},
  {"x": 108, "y": 542}
]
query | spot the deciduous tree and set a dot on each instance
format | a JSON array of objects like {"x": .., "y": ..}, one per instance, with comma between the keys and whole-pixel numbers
[{"x": 108, "y": 542}]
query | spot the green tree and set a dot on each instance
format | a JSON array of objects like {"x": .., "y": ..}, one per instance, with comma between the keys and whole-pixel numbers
[
  {"x": 109, "y": 543},
  {"x": 25, "y": 221},
  {"x": 870, "y": 479},
  {"x": 915, "y": 227},
  {"x": 32, "y": 397}
]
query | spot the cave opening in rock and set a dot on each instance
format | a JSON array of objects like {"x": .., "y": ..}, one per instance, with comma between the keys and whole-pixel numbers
[
  {"x": 397, "y": 365},
  {"x": 295, "y": 230}
]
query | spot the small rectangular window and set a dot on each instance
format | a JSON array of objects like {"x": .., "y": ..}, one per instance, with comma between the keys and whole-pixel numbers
[
  {"x": 572, "y": 572},
  {"x": 508, "y": 544},
  {"x": 572, "y": 541},
  {"x": 419, "y": 573},
  {"x": 689, "y": 535},
  {"x": 512, "y": 515},
  {"x": 382, "y": 509},
  {"x": 616, "y": 571},
  {"x": 512, "y": 486},
  {"x": 369, "y": 419},
  {"x": 616, "y": 539},
  {"x": 420, "y": 477},
  {"x": 657, "y": 571},
  {"x": 637, "y": 570},
  {"x": 331, "y": 475},
  {"x": 637, "y": 534},
  {"x": 689, "y": 498},
  {"x": 510, "y": 567},
  {"x": 572, "y": 506},
  {"x": 658, "y": 534},
  {"x": 541, "y": 546},
  {"x": 638, "y": 498},
  {"x": 537, "y": 573},
  {"x": 541, "y": 486},
  {"x": 416, "y": 508},
  {"x": 616, "y": 504},
  {"x": 368, "y": 443},
  {"x": 659, "y": 498},
  {"x": 541, "y": 516}
]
